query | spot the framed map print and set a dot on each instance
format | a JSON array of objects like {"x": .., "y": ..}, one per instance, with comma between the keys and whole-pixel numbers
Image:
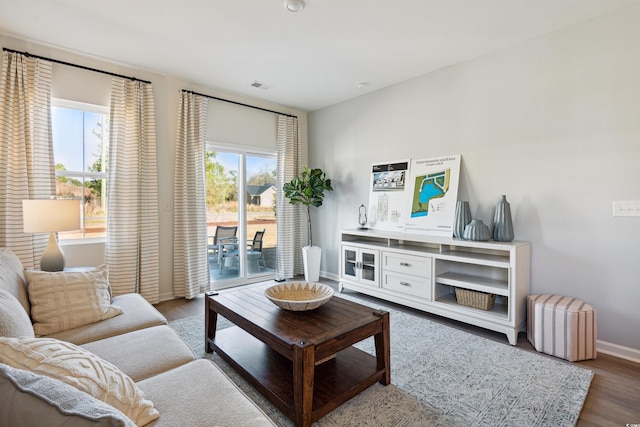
[{"x": 432, "y": 195}]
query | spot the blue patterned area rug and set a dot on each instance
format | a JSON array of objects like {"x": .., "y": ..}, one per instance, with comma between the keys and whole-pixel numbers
[{"x": 441, "y": 376}]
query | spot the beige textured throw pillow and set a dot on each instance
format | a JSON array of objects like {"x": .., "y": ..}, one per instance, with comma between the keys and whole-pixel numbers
[
  {"x": 79, "y": 368},
  {"x": 68, "y": 299}
]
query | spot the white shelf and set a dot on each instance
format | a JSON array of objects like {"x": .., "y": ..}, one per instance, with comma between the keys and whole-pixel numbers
[
  {"x": 499, "y": 311},
  {"x": 476, "y": 258},
  {"x": 474, "y": 283}
]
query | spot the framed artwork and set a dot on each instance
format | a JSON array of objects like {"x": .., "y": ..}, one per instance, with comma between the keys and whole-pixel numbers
[
  {"x": 387, "y": 194},
  {"x": 433, "y": 195},
  {"x": 415, "y": 196}
]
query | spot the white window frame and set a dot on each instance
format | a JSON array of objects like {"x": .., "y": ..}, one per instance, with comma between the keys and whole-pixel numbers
[
  {"x": 243, "y": 152},
  {"x": 84, "y": 176}
]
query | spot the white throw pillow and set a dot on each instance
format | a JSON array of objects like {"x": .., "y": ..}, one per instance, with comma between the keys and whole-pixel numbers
[
  {"x": 83, "y": 370},
  {"x": 30, "y": 399},
  {"x": 14, "y": 321},
  {"x": 69, "y": 299}
]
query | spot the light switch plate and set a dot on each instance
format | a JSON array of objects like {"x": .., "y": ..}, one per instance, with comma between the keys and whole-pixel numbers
[{"x": 626, "y": 208}]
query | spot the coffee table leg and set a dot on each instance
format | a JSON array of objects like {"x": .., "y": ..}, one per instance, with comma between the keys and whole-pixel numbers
[
  {"x": 210, "y": 324},
  {"x": 303, "y": 377},
  {"x": 383, "y": 350}
]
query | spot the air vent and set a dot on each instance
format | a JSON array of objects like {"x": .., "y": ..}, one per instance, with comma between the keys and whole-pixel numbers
[{"x": 261, "y": 85}]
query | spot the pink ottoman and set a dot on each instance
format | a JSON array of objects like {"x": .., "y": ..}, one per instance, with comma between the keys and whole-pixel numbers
[{"x": 561, "y": 326}]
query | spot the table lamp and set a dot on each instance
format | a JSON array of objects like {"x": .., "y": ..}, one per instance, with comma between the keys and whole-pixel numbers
[{"x": 50, "y": 216}]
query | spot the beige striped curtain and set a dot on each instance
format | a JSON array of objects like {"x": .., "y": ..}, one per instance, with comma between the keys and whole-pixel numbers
[
  {"x": 132, "y": 195},
  {"x": 190, "y": 262},
  {"x": 26, "y": 150},
  {"x": 290, "y": 234}
]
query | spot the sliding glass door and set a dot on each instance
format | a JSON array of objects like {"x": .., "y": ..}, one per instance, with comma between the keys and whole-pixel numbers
[{"x": 241, "y": 221}]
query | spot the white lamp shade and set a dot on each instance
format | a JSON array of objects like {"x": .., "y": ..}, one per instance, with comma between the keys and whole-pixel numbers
[{"x": 49, "y": 215}]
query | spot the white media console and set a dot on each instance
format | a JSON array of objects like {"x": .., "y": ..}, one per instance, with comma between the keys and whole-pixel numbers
[{"x": 423, "y": 271}]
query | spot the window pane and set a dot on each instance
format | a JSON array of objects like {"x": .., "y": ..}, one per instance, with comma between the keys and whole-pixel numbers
[
  {"x": 67, "y": 131},
  {"x": 95, "y": 208},
  {"x": 261, "y": 213},
  {"x": 80, "y": 144},
  {"x": 96, "y": 140},
  {"x": 222, "y": 170},
  {"x": 69, "y": 188},
  {"x": 227, "y": 183}
]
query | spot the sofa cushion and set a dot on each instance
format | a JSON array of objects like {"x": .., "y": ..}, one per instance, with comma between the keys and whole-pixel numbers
[
  {"x": 14, "y": 321},
  {"x": 143, "y": 353},
  {"x": 12, "y": 277},
  {"x": 202, "y": 385},
  {"x": 81, "y": 369},
  {"x": 29, "y": 399},
  {"x": 68, "y": 299},
  {"x": 138, "y": 314}
]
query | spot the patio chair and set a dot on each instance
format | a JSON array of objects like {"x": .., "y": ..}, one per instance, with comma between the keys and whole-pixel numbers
[
  {"x": 216, "y": 243},
  {"x": 254, "y": 250},
  {"x": 255, "y": 246}
]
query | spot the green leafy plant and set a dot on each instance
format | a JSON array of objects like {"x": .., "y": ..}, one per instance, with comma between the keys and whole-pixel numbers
[{"x": 308, "y": 190}]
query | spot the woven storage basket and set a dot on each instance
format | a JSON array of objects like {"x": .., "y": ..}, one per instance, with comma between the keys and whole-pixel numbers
[{"x": 475, "y": 299}]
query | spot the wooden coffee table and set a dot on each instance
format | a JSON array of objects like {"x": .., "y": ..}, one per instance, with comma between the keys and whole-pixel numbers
[{"x": 303, "y": 362}]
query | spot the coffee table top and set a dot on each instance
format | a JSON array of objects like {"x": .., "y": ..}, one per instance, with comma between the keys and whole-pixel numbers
[
  {"x": 249, "y": 308},
  {"x": 303, "y": 362}
]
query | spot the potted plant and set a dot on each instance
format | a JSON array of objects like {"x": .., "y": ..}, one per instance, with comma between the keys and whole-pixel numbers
[{"x": 308, "y": 190}]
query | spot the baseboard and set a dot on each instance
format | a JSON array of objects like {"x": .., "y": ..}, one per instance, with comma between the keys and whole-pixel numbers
[
  {"x": 616, "y": 350},
  {"x": 331, "y": 276},
  {"x": 166, "y": 296}
]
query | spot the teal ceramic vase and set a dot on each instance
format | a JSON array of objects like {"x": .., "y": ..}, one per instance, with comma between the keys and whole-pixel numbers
[
  {"x": 461, "y": 219},
  {"x": 502, "y": 222},
  {"x": 477, "y": 230}
]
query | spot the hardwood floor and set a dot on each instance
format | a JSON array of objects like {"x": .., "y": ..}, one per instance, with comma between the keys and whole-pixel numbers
[{"x": 614, "y": 395}]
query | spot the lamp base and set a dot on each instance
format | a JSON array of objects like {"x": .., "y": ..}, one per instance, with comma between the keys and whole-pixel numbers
[{"x": 52, "y": 258}]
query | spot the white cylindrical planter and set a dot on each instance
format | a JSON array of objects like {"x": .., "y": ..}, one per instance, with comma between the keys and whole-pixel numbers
[{"x": 311, "y": 258}]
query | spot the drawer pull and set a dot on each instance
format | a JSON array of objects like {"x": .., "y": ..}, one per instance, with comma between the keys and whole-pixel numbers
[
  {"x": 404, "y": 264},
  {"x": 405, "y": 284}
]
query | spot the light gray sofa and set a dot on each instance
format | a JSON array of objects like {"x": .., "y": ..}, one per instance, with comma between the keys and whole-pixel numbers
[{"x": 185, "y": 391}]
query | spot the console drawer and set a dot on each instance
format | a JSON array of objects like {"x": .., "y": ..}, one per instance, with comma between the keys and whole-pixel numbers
[
  {"x": 407, "y": 284},
  {"x": 407, "y": 264}
]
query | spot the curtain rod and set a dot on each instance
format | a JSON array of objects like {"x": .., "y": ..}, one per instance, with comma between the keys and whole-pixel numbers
[
  {"x": 238, "y": 103},
  {"x": 75, "y": 65}
]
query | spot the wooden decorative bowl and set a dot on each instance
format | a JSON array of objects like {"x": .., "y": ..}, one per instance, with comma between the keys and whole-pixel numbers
[{"x": 299, "y": 296}]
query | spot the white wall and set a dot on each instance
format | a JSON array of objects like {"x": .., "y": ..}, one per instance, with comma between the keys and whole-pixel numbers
[
  {"x": 228, "y": 124},
  {"x": 554, "y": 124}
]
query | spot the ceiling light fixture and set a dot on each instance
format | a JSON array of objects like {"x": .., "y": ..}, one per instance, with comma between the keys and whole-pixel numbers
[
  {"x": 294, "y": 5},
  {"x": 361, "y": 85}
]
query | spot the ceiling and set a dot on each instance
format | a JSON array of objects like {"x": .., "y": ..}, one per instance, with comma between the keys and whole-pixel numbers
[{"x": 311, "y": 59}]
